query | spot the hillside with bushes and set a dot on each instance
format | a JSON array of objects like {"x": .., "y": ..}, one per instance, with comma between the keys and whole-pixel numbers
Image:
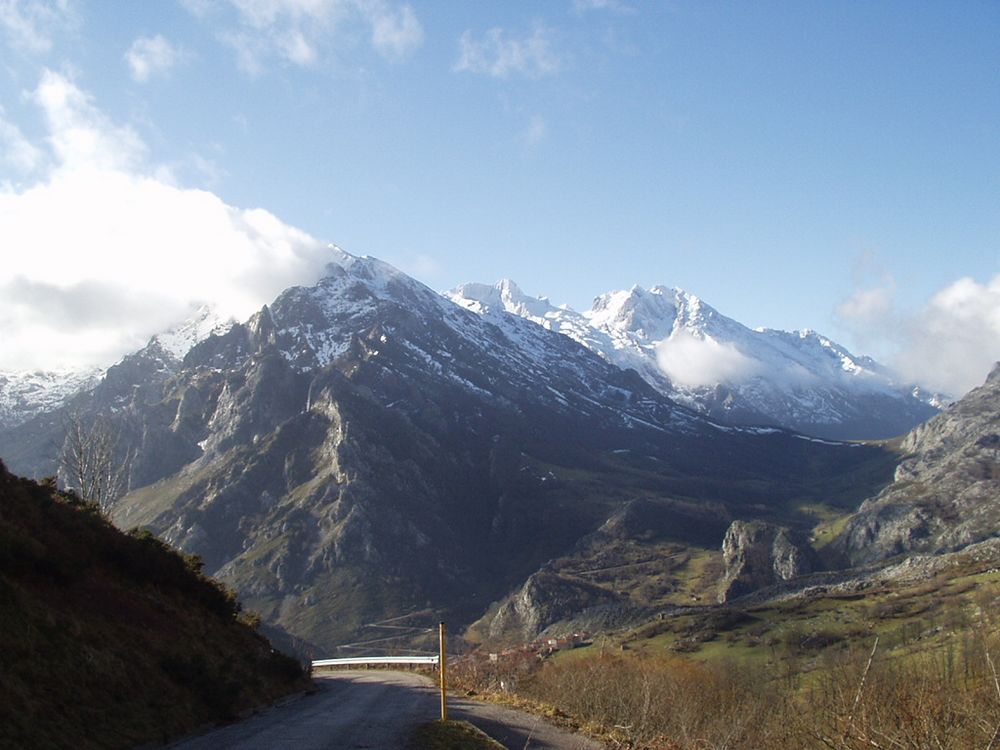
[{"x": 112, "y": 640}]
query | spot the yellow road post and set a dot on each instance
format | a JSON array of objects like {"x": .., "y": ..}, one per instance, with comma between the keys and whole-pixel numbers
[{"x": 443, "y": 664}]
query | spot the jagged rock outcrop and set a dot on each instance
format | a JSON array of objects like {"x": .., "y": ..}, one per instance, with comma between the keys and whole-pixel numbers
[
  {"x": 758, "y": 554},
  {"x": 544, "y": 599},
  {"x": 946, "y": 492}
]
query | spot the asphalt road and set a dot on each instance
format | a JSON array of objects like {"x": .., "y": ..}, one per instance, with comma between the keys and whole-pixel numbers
[{"x": 377, "y": 709}]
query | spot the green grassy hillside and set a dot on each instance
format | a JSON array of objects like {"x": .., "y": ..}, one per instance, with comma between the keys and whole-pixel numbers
[{"x": 111, "y": 640}]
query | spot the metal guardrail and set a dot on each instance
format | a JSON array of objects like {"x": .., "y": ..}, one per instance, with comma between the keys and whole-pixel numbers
[
  {"x": 441, "y": 659},
  {"x": 360, "y": 660}
]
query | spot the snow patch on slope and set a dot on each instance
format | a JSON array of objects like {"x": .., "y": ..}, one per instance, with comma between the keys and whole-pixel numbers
[
  {"x": 204, "y": 323},
  {"x": 26, "y": 394}
]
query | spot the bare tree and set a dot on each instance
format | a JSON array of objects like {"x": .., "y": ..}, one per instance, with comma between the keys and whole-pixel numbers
[{"x": 92, "y": 461}]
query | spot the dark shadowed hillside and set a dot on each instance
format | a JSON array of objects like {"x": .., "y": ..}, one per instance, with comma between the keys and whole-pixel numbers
[{"x": 110, "y": 639}]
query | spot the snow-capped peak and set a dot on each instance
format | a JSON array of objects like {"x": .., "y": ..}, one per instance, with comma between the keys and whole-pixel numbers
[
  {"x": 25, "y": 394},
  {"x": 652, "y": 314},
  {"x": 377, "y": 276},
  {"x": 203, "y": 323},
  {"x": 504, "y": 296},
  {"x": 691, "y": 352}
]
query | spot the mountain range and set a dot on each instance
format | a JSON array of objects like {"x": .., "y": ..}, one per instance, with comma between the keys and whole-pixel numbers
[
  {"x": 25, "y": 394},
  {"x": 365, "y": 448},
  {"x": 693, "y": 354},
  {"x": 681, "y": 346}
]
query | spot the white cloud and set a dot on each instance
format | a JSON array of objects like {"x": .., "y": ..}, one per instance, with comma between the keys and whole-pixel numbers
[
  {"x": 867, "y": 305},
  {"x": 395, "y": 34},
  {"x": 582, "y": 6},
  {"x": 108, "y": 252},
  {"x": 696, "y": 361},
  {"x": 30, "y": 24},
  {"x": 948, "y": 345},
  {"x": 952, "y": 344},
  {"x": 500, "y": 55},
  {"x": 152, "y": 55},
  {"x": 297, "y": 48},
  {"x": 81, "y": 136},
  {"x": 16, "y": 150},
  {"x": 300, "y": 31}
]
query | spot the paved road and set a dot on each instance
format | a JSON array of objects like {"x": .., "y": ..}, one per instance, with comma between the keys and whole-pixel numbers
[{"x": 377, "y": 709}]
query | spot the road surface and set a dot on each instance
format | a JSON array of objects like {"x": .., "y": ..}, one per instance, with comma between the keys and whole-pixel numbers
[{"x": 377, "y": 709}]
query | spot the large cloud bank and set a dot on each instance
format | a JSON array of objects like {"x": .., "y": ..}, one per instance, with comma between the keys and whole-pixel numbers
[
  {"x": 955, "y": 341},
  {"x": 103, "y": 249},
  {"x": 949, "y": 345}
]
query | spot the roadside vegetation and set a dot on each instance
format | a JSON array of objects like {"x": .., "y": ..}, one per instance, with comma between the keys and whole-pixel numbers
[
  {"x": 899, "y": 666},
  {"x": 111, "y": 640}
]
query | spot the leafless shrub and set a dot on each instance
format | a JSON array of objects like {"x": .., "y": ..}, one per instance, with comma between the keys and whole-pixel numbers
[
  {"x": 940, "y": 700},
  {"x": 861, "y": 698},
  {"x": 476, "y": 673},
  {"x": 92, "y": 461},
  {"x": 665, "y": 703}
]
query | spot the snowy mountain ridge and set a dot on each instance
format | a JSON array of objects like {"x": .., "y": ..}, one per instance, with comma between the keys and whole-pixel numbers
[
  {"x": 25, "y": 394},
  {"x": 416, "y": 327},
  {"x": 677, "y": 343},
  {"x": 689, "y": 351}
]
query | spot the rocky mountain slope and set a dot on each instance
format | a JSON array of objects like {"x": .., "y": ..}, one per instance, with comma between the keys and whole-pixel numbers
[
  {"x": 365, "y": 448},
  {"x": 946, "y": 489},
  {"x": 690, "y": 352}
]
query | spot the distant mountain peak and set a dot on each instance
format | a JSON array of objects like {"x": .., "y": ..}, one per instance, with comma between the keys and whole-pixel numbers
[
  {"x": 652, "y": 313},
  {"x": 688, "y": 350},
  {"x": 504, "y": 296},
  {"x": 204, "y": 322},
  {"x": 25, "y": 394}
]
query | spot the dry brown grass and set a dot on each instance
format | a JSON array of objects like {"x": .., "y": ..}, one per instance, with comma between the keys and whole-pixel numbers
[{"x": 858, "y": 699}]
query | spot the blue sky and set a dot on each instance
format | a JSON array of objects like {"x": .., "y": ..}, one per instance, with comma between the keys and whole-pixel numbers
[{"x": 819, "y": 165}]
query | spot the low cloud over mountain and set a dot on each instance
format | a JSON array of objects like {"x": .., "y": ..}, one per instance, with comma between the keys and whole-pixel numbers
[{"x": 110, "y": 249}]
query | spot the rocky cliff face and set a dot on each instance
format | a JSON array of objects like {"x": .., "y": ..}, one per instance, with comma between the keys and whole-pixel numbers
[
  {"x": 946, "y": 488},
  {"x": 758, "y": 554},
  {"x": 545, "y": 599}
]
